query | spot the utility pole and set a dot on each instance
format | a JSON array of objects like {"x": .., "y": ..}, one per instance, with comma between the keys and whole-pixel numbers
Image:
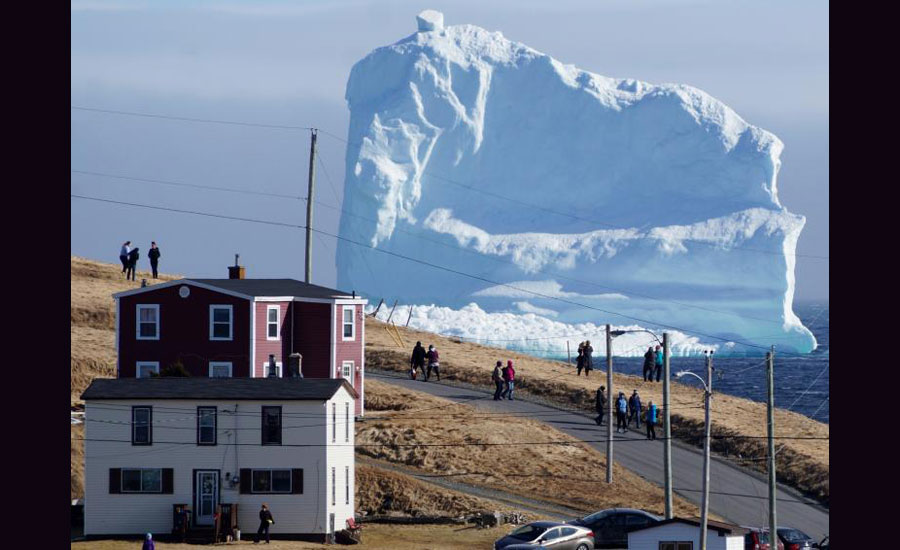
[
  {"x": 609, "y": 408},
  {"x": 309, "y": 204},
  {"x": 770, "y": 406},
  {"x": 704, "y": 511},
  {"x": 667, "y": 435}
]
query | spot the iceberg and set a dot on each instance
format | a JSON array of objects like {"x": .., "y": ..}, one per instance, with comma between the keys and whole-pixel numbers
[{"x": 562, "y": 193}]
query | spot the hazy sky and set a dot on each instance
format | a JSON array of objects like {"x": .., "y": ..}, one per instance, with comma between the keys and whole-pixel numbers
[{"x": 287, "y": 63}]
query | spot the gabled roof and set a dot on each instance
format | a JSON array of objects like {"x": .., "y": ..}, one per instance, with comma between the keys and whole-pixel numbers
[
  {"x": 255, "y": 288},
  {"x": 718, "y": 526},
  {"x": 257, "y": 389}
]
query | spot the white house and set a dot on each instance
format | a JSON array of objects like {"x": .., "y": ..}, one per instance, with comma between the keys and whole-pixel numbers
[
  {"x": 151, "y": 443},
  {"x": 684, "y": 534}
]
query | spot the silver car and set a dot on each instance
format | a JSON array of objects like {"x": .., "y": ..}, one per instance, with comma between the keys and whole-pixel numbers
[{"x": 547, "y": 534}]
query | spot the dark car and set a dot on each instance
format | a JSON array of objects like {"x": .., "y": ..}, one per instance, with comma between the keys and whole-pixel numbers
[
  {"x": 758, "y": 539},
  {"x": 547, "y": 534},
  {"x": 611, "y": 526},
  {"x": 795, "y": 539}
]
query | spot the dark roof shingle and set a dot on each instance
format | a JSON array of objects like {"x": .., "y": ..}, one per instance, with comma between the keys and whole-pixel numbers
[
  {"x": 274, "y": 287},
  {"x": 286, "y": 389}
]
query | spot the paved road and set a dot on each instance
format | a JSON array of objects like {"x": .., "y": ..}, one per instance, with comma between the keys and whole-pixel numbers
[{"x": 735, "y": 494}]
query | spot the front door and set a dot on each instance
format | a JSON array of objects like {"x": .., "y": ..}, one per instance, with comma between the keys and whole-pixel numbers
[{"x": 206, "y": 496}]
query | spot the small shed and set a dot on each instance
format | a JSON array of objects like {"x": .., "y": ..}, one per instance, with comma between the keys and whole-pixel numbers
[{"x": 684, "y": 534}]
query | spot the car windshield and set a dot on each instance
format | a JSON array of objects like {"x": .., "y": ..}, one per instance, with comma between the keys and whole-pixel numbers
[
  {"x": 792, "y": 535},
  {"x": 527, "y": 532},
  {"x": 595, "y": 516}
]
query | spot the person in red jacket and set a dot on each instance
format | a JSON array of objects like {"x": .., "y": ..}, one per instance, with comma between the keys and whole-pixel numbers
[
  {"x": 509, "y": 377},
  {"x": 433, "y": 359}
]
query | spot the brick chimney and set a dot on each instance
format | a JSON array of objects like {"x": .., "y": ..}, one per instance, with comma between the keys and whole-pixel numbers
[{"x": 236, "y": 271}]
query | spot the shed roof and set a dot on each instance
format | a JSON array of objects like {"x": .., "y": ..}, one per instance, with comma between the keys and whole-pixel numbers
[
  {"x": 718, "y": 526},
  {"x": 256, "y": 389}
]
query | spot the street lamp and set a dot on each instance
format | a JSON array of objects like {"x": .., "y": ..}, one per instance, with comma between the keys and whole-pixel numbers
[
  {"x": 667, "y": 435},
  {"x": 707, "y": 386}
]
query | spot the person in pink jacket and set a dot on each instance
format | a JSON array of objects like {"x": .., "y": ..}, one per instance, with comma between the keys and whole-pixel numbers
[{"x": 509, "y": 377}]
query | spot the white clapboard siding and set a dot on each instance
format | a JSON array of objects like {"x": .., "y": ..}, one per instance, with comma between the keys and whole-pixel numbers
[
  {"x": 649, "y": 539},
  {"x": 107, "y": 513}
]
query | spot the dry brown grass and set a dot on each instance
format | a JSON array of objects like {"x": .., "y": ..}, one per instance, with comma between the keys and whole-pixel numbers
[
  {"x": 570, "y": 474},
  {"x": 801, "y": 463}
]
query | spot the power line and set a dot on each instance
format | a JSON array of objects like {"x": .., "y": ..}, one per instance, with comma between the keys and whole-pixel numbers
[
  {"x": 191, "y": 119},
  {"x": 183, "y": 184}
]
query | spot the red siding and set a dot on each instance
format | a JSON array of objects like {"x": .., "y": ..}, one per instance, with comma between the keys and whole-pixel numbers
[
  {"x": 312, "y": 337},
  {"x": 281, "y": 347},
  {"x": 350, "y": 350},
  {"x": 184, "y": 332}
]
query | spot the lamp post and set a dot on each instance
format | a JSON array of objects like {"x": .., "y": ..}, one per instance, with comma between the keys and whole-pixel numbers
[{"x": 707, "y": 386}]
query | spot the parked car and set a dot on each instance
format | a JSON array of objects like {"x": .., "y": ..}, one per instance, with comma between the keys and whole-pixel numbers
[
  {"x": 547, "y": 534},
  {"x": 610, "y": 526},
  {"x": 758, "y": 539},
  {"x": 795, "y": 539}
]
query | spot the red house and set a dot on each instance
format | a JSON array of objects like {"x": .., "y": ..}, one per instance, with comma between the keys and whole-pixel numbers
[{"x": 242, "y": 328}]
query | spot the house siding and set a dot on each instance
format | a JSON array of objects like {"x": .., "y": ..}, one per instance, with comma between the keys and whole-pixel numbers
[
  {"x": 649, "y": 539},
  {"x": 281, "y": 348},
  {"x": 183, "y": 332},
  {"x": 304, "y": 423},
  {"x": 350, "y": 350},
  {"x": 312, "y": 338}
]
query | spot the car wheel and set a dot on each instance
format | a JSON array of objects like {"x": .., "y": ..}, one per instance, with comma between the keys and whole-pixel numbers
[{"x": 582, "y": 546}]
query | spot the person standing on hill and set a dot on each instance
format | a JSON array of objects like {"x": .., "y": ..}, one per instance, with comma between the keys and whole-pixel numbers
[
  {"x": 123, "y": 255},
  {"x": 634, "y": 409},
  {"x": 588, "y": 359},
  {"x": 621, "y": 411},
  {"x": 497, "y": 377},
  {"x": 651, "y": 420},
  {"x": 433, "y": 363},
  {"x": 417, "y": 360},
  {"x": 154, "y": 254},
  {"x": 579, "y": 361},
  {"x": 509, "y": 376},
  {"x": 649, "y": 363},
  {"x": 132, "y": 263},
  {"x": 659, "y": 362},
  {"x": 265, "y": 521},
  {"x": 600, "y": 405}
]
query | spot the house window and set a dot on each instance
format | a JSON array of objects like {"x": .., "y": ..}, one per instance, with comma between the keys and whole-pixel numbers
[
  {"x": 333, "y": 422},
  {"x": 349, "y": 324},
  {"x": 333, "y": 485},
  {"x": 220, "y": 322},
  {"x": 141, "y": 425},
  {"x": 271, "y": 425},
  {"x": 206, "y": 425},
  {"x": 347, "y": 422},
  {"x": 269, "y": 371},
  {"x": 347, "y": 371},
  {"x": 148, "y": 321},
  {"x": 272, "y": 324},
  {"x": 271, "y": 481},
  {"x": 145, "y": 369},
  {"x": 142, "y": 480},
  {"x": 676, "y": 545},
  {"x": 220, "y": 369},
  {"x": 347, "y": 484}
]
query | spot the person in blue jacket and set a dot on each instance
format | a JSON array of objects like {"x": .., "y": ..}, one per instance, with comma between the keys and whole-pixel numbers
[
  {"x": 659, "y": 362},
  {"x": 634, "y": 409},
  {"x": 652, "y": 414},
  {"x": 621, "y": 412}
]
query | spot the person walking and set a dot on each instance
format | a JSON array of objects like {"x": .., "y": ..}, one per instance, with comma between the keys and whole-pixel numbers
[
  {"x": 600, "y": 405},
  {"x": 621, "y": 411},
  {"x": 509, "y": 376},
  {"x": 154, "y": 254},
  {"x": 123, "y": 255},
  {"x": 588, "y": 359},
  {"x": 265, "y": 521},
  {"x": 433, "y": 363},
  {"x": 497, "y": 377},
  {"x": 659, "y": 362},
  {"x": 579, "y": 361},
  {"x": 634, "y": 409},
  {"x": 651, "y": 420},
  {"x": 649, "y": 362},
  {"x": 133, "y": 256},
  {"x": 417, "y": 361},
  {"x": 148, "y": 543}
]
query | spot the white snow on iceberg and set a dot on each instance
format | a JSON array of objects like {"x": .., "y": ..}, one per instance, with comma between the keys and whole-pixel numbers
[{"x": 480, "y": 154}]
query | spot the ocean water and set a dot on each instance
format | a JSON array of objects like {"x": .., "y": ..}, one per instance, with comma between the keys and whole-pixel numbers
[{"x": 801, "y": 381}]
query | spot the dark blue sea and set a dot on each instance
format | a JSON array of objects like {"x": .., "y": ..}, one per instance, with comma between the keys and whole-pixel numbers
[{"x": 801, "y": 382}]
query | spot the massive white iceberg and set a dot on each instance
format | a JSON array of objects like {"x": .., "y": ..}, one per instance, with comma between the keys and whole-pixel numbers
[{"x": 563, "y": 193}]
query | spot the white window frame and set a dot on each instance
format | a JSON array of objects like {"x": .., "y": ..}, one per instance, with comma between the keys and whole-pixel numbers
[
  {"x": 137, "y": 327},
  {"x": 271, "y": 490},
  {"x": 347, "y": 422},
  {"x": 213, "y": 364},
  {"x": 345, "y": 365},
  {"x": 230, "y": 308},
  {"x": 334, "y": 422},
  {"x": 277, "y": 310},
  {"x": 278, "y": 366},
  {"x": 352, "y": 310},
  {"x": 139, "y": 364},
  {"x": 333, "y": 486},
  {"x": 347, "y": 484}
]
